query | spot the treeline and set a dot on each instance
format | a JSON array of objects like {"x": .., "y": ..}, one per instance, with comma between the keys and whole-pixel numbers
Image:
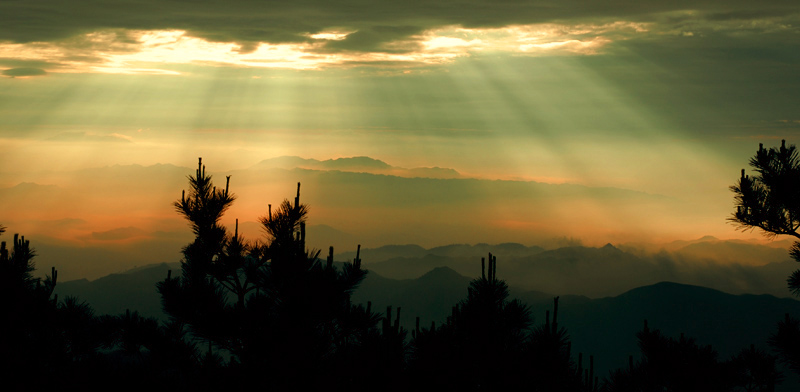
[{"x": 274, "y": 315}]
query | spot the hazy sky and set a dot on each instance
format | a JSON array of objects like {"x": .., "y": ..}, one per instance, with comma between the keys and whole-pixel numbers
[{"x": 664, "y": 99}]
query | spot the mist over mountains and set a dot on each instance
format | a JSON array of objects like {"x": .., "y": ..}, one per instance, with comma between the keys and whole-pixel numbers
[
  {"x": 573, "y": 270},
  {"x": 117, "y": 217},
  {"x": 600, "y": 271}
]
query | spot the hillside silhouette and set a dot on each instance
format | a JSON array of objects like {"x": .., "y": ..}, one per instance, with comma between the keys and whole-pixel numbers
[
  {"x": 606, "y": 327},
  {"x": 600, "y": 271}
]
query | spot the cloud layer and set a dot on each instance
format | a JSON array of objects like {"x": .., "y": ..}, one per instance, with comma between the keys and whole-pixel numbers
[
  {"x": 23, "y": 72},
  {"x": 95, "y": 36},
  {"x": 374, "y": 22}
]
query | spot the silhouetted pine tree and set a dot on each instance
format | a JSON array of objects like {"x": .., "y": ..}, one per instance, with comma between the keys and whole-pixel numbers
[
  {"x": 680, "y": 365},
  {"x": 487, "y": 344},
  {"x": 786, "y": 341},
  {"x": 48, "y": 344},
  {"x": 550, "y": 358},
  {"x": 770, "y": 201},
  {"x": 29, "y": 337},
  {"x": 755, "y": 370},
  {"x": 143, "y": 352},
  {"x": 278, "y": 315}
]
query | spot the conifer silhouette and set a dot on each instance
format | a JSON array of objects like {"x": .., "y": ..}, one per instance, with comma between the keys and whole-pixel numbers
[
  {"x": 755, "y": 370},
  {"x": 549, "y": 352},
  {"x": 29, "y": 335},
  {"x": 488, "y": 344},
  {"x": 273, "y": 310},
  {"x": 669, "y": 364},
  {"x": 51, "y": 343},
  {"x": 770, "y": 201},
  {"x": 786, "y": 342}
]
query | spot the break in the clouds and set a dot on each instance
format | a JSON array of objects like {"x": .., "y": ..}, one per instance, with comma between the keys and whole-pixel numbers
[{"x": 140, "y": 36}]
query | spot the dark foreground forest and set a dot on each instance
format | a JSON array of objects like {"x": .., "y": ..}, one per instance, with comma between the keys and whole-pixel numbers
[{"x": 275, "y": 315}]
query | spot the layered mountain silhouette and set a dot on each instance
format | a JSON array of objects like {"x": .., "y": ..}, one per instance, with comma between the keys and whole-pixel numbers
[
  {"x": 115, "y": 293},
  {"x": 603, "y": 327},
  {"x": 599, "y": 271},
  {"x": 410, "y": 251},
  {"x": 577, "y": 270}
]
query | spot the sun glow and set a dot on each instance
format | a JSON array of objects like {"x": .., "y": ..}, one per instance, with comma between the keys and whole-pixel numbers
[{"x": 331, "y": 35}]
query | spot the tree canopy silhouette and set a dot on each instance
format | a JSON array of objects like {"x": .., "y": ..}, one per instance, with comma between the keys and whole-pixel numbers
[
  {"x": 770, "y": 201},
  {"x": 681, "y": 365},
  {"x": 63, "y": 342},
  {"x": 489, "y": 344},
  {"x": 273, "y": 308},
  {"x": 30, "y": 313}
]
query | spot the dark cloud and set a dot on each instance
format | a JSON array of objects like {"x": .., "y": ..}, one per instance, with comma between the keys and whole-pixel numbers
[
  {"x": 730, "y": 86},
  {"x": 20, "y": 63},
  {"x": 14, "y": 72},
  {"x": 26, "y": 67},
  {"x": 373, "y": 39},
  {"x": 246, "y": 21}
]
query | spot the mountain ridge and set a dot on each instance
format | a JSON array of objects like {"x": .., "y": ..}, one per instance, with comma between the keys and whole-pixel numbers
[{"x": 603, "y": 327}]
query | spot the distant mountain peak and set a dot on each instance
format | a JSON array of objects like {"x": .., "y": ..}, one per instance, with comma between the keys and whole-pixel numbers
[
  {"x": 441, "y": 272},
  {"x": 358, "y": 161},
  {"x": 30, "y": 186},
  {"x": 285, "y": 161},
  {"x": 671, "y": 287},
  {"x": 609, "y": 247}
]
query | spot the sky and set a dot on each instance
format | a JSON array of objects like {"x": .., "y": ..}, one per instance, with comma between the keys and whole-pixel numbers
[{"x": 625, "y": 121}]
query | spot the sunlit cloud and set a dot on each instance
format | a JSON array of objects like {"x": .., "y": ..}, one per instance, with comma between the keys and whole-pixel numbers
[
  {"x": 440, "y": 42},
  {"x": 151, "y": 52},
  {"x": 154, "y": 51},
  {"x": 331, "y": 35},
  {"x": 540, "y": 39},
  {"x": 122, "y": 70}
]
